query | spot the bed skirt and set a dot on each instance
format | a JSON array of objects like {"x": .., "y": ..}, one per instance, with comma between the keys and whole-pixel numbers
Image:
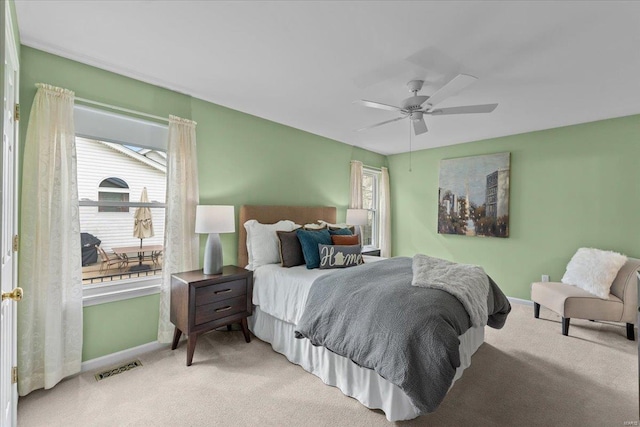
[{"x": 363, "y": 384}]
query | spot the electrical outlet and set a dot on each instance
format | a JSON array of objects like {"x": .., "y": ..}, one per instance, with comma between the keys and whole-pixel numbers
[{"x": 545, "y": 277}]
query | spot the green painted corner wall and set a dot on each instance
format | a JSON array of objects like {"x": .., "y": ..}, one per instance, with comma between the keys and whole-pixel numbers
[
  {"x": 570, "y": 187},
  {"x": 242, "y": 159},
  {"x": 120, "y": 325}
]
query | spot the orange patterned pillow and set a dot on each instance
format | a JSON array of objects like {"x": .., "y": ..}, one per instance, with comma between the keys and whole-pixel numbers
[{"x": 337, "y": 239}]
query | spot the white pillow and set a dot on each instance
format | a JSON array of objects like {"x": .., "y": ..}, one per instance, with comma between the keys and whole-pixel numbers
[
  {"x": 594, "y": 270},
  {"x": 328, "y": 224},
  {"x": 313, "y": 226},
  {"x": 262, "y": 242}
]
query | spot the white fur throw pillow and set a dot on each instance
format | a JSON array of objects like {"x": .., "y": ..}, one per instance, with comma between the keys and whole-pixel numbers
[
  {"x": 262, "y": 242},
  {"x": 594, "y": 270}
]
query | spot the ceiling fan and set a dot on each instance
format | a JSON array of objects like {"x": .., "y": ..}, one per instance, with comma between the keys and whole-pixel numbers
[{"x": 413, "y": 108}]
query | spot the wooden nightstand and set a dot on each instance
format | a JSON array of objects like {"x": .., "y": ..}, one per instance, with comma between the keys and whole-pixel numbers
[
  {"x": 372, "y": 252},
  {"x": 200, "y": 303}
]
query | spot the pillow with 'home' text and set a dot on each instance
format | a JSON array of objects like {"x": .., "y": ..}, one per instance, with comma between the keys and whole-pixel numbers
[{"x": 339, "y": 256}]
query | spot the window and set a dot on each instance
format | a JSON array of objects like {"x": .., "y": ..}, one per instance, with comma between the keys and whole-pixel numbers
[
  {"x": 113, "y": 190},
  {"x": 117, "y": 157},
  {"x": 121, "y": 255},
  {"x": 370, "y": 202}
]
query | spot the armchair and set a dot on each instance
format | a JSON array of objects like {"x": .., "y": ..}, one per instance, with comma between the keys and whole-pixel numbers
[{"x": 572, "y": 302}]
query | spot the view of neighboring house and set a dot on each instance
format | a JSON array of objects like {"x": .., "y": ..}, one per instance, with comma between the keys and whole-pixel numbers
[{"x": 114, "y": 172}]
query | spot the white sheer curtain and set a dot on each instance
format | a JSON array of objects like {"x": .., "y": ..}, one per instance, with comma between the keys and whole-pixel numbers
[
  {"x": 50, "y": 265},
  {"x": 181, "y": 243},
  {"x": 355, "y": 201},
  {"x": 385, "y": 214}
]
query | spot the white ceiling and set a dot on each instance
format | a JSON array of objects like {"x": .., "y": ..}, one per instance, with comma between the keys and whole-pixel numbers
[{"x": 547, "y": 64}]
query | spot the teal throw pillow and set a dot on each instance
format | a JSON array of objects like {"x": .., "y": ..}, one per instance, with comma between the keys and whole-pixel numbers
[
  {"x": 309, "y": 240},
  {"x": 340, "y": 231}
]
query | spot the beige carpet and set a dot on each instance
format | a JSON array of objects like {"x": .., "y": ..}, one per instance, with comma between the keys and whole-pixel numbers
[{"x": 525, "y": 374}]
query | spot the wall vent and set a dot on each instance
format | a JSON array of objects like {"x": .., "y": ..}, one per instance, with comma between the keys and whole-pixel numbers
[{"x": 119, "y": 369}]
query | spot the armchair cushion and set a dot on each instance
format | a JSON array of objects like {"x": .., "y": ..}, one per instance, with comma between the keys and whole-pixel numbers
[{"x": 573, "y": 302}]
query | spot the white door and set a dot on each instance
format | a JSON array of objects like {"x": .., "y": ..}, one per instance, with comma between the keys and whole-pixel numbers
[{"x": 8, "y": 258}]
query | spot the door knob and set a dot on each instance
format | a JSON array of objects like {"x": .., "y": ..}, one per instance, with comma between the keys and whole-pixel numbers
[{"x": 15, "y": 294}]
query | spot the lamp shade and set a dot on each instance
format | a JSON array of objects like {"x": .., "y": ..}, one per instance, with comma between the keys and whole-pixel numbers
[
  {"x": 357, "y": 217},
  {"x": 215, "y": 219}
]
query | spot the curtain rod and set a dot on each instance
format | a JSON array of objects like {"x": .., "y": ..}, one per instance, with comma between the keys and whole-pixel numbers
[{"x": 125, "y": 110}]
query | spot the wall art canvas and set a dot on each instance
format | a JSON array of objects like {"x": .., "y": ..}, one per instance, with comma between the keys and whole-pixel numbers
[{"x": 474, "y": 196}]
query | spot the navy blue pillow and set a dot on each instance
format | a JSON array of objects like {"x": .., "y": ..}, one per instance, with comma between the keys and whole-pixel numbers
[
  {"x": 309, "y": 240},
  {"x": 340, "y": 231}
]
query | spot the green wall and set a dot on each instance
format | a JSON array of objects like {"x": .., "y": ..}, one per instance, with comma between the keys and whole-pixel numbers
[
  {"x": 117, "y": 326},
  {"x": 570, "y": 187},
  {"x": 242, "y": 159}
]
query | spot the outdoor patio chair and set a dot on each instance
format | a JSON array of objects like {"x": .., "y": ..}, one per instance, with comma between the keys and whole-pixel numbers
[
  {"x": 155, "y": 257},
  {"x": 112, "y": 259}
]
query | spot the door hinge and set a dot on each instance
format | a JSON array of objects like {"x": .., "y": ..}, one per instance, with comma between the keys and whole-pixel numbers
[
  {"x": 14, "y": 375},
  {"x": 16, "y": 113},
  {"x": 16, "y": 243}
]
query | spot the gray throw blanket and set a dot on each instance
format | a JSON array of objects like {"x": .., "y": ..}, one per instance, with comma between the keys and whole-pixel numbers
[
  {"x": 408, "y": 334},
  {"x": 468, "y": 283}
]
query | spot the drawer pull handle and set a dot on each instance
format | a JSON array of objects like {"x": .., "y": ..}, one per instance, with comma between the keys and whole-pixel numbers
[
  {"x": 222, "y": 292},
  {"x": 223, "y": 309}
]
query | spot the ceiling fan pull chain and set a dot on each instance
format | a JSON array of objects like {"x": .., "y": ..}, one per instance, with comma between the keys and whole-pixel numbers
[{"x": 410, "y": 145}]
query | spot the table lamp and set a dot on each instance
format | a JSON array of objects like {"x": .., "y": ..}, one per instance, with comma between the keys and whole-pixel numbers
[
  {"x": 213, "y": 220},
  {"x": 357, "y": 218}
]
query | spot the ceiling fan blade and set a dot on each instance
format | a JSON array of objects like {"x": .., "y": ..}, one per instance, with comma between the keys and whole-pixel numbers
[
  {"x": 419, "y": 127},
  {"x": 378, "y": 105},
  {"x": 467, "y": 109},
  {"x": 381, "y": 123},
  {"x": 453, "y": 87}
]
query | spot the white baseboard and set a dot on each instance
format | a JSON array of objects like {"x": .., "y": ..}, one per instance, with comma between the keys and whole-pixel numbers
[
  {"x": 520, "y": 301},
  {"x": 125, "y": 355},
  {"x": 120, "y": 356}
]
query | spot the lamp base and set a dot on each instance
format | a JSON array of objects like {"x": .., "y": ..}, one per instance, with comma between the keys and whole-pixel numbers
[
  {"x": 213, "y": 255},
  {"x": 358, "y": 232}
]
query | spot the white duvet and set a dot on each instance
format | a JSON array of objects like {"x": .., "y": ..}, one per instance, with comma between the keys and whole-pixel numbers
[{"x": 282, "y": 292}]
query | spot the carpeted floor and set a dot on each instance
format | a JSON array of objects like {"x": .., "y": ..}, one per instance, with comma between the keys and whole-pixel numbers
[{"x": 526, "y": 374}]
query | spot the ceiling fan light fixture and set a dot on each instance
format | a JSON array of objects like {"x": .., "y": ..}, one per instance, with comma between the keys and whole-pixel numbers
[
  {"x": 416, "y": 115},
  {"x": 414, "y": 102},
  {"x": 412, "y": 107}
]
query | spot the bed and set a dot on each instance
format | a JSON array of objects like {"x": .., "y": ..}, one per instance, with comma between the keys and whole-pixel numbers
[{"x": 279, "y": 299}]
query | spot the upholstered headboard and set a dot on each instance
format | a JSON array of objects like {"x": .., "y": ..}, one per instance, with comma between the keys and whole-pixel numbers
[{"x": 266, "y": 214}]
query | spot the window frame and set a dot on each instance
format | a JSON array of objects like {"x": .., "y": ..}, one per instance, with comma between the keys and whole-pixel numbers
[
  {"x": 125, "y": 127},
  {"x": 375, "y": 210}
]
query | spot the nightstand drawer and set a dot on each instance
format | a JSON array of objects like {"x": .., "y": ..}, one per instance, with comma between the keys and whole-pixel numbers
[
  {"x": 220, "y": 309},
  {"x": 221, "y": 291}
]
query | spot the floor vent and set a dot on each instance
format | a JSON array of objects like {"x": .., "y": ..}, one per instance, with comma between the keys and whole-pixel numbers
[{"x": 115, "y": 371}]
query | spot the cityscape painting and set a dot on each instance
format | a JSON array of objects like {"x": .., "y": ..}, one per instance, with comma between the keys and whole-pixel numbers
[{"x": 473, "y": 196}]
